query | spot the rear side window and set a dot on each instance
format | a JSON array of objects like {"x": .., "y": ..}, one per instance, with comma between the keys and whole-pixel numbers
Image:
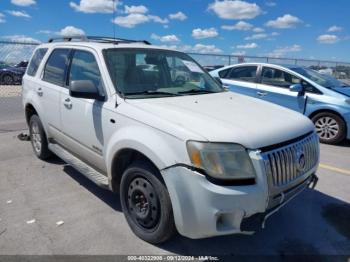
[
  {"x": 223, "y": 73},
  {"x": 244, "y": 73},
  {"x": 35, "y": 61},
  {"x": 56, "y": 67}
]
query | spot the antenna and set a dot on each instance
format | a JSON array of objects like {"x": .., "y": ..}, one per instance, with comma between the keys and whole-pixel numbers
[{"x": 113, "y": 19}]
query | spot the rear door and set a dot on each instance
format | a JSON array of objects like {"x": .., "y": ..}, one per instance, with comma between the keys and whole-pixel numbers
[
  {"x": 49, "y": 89},
  {"x": 274, "y": 87},
  {"x": 240, "y": 79}
]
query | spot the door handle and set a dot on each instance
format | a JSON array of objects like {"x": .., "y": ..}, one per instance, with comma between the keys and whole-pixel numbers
[
  {"x": 261, "y": 94},
  {"x": 39, "y": 91},
  {"x": 68, "y": 103}
]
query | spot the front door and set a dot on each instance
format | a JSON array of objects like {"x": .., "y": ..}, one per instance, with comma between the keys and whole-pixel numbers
[
  {"x": 81, "y": 119},
  {"x": 274, "y": 88}
]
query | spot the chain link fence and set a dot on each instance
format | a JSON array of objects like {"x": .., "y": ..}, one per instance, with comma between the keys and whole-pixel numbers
[{"x": 14, "y": 57}]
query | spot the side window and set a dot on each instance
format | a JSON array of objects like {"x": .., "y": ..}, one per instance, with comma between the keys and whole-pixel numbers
[
  {"x": 223, "y": 73},
  {"x": 84, "y": 67},
  {"x": 278, "y": 78},
  {"x": 310, "y": 88},
  {"x": 35, "y": 61},
  {"x": 56, "y": 67},
  {"x": 244, "y": 73}
]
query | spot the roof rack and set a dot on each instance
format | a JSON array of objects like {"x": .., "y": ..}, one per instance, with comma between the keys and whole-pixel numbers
[{"x": 98, "y": 39}]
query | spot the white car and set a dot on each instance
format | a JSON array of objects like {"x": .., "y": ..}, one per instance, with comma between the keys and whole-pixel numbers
[{"x": 186, "y": 156}]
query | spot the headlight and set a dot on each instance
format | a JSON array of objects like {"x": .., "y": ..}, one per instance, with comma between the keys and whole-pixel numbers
[{"x": 221, "y": 160}]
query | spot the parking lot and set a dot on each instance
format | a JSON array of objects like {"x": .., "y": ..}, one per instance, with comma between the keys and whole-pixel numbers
[{"x": 35, "y": 195}]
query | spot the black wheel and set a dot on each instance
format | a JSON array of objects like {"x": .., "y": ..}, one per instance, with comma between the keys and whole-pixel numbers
[
  {"x": 146, "y": 203},
  {"x": 330, "y": 127},
  {"x": 7, "y": 80},
  {"x": 38, "y": 138}
]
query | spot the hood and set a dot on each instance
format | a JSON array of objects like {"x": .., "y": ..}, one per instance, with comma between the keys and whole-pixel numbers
[
  {"x": 345, "y": 90},
  {"x": 13, "y": 70},
  {"x": 224, "y": 117}
]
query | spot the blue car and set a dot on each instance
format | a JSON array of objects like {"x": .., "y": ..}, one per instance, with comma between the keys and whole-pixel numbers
[{"x": 324, "y": 99}]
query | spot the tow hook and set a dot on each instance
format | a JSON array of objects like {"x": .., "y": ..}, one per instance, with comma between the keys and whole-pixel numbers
[{"x": 313, "y": 181}]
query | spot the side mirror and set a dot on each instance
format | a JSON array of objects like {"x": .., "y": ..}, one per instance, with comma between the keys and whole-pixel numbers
[
  {"x": 296, "y": 88},
  {"x": 85, "y": 89}
]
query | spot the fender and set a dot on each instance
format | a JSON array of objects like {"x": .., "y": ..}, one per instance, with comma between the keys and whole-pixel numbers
[{"x": 162, "y": 149}]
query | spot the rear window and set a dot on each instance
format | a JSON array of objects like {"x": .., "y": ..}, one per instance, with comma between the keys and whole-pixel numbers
[
  {"x": 56, "y": 67},
  {"x": 35, "y": 61},
  {"x": 243, "y": 73}
]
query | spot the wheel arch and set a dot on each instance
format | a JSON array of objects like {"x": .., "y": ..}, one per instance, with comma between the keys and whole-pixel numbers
[
  {"x": 122, "y": 160},
  {"x": 29, "y": 111},
  {"x": 325, "y": 110}
]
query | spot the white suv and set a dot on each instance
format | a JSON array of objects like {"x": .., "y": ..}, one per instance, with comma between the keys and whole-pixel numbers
[{"x": 185, "y": 155}]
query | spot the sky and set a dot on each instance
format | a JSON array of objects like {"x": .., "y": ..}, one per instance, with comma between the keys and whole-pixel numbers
[{"x": 310, "y": 29}]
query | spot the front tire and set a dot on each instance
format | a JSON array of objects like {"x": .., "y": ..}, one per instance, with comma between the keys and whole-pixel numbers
[
  {"x": 38, "y": 138},
  {"x": 330, "y": 127},
  {"x": 146, "y": 203}
]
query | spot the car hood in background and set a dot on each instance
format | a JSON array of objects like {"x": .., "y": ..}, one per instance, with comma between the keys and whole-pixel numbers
[
  {"x": 222, "y": 117},
  {"x": 343, "y": 90}
]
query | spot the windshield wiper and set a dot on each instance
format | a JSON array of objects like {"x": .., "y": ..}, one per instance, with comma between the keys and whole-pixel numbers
[
  {"x": 197, "y": 91},
  {"x": 150, "y": 92}
]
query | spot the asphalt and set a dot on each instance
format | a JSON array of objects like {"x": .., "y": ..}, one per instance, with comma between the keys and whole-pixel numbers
[{"x": 315, "y": 223}]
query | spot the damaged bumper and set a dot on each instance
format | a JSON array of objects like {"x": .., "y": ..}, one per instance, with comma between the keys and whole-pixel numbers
[{"x": 203, "y": 209}]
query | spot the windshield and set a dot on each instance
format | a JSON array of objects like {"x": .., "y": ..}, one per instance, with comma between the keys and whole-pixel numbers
[
  {"x": 321, "y": 79},
  {"x": 145, "y": 73}
]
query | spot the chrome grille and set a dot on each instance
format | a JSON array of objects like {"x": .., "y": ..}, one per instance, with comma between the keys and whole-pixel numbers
[{"x": 284, "y": 165}]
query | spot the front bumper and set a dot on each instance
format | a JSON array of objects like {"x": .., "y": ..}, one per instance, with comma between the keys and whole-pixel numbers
[{"x": 203, "y": 209}]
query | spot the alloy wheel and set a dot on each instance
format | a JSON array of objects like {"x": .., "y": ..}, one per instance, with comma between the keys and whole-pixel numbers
[{"x": 327, "y": 128}]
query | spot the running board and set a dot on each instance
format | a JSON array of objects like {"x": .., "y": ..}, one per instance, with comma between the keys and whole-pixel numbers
[{"x": 90, "y": 173}]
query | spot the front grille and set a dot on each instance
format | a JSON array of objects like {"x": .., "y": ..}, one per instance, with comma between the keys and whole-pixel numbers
[{"x": 286, "y": 164}]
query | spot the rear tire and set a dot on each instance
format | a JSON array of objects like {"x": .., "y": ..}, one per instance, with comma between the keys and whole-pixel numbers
[
  {"x": 146, "y": 203},
  {"x": 330, "y": 127},
  {"x": 38, "y": 138},
  {"x": 8, "y": 80}
]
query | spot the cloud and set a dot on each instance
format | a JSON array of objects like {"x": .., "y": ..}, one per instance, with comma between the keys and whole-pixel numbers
[
  {"x": 71, "y": 31},
  {"x": 200, "y": 48},
  {"x": 247, "y": 46},
  {"x": 239, "y": 53},
  {"x": 94, "y": 6},
  {"x": 165, "y": 38},
  {"x": 283, "y": 51},
  {"x": 199, "y": 33},
  {"x": 2, "y": 18},
  {"x": 134, "y": 19},
  {"x": 18, "y": 13},
  {"x": 23, "y": 2},
  {"x": 258, "y": 30},
  {"x": 235, "y": 9},
  {"x": 327, "y": 39},
  {"x": 45, "y": 32},
  {"x": 241, "y": 25},
  {"x": 270, "y": 4},
  {"x": 286, "y": 21},
  {"x": 139, "y": 9},
  {"x": 21, "y": 38},
  {"x": 137, "y": 15},
  {"x": 335, "y": 28},
  {"x": 256, "y": 36},
  {"x": 178, "y": 16}
]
